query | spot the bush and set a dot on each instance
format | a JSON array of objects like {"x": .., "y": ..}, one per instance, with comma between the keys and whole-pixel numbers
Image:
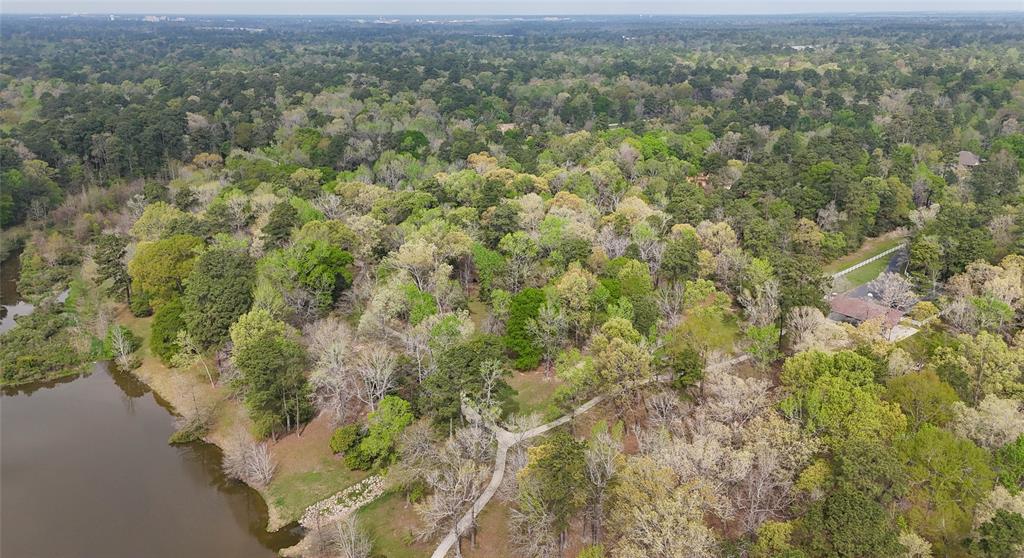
[
  {"x": 923, "y": 310},
  {"x": 166, "y": 323},
  {"x": 345, "y": 438}
]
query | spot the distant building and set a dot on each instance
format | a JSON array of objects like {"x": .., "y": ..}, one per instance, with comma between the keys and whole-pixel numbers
[
  {"x": 857, "y": 310},
  {"x": 504, "y": 127},
  {"x": 968, "y": 159}
]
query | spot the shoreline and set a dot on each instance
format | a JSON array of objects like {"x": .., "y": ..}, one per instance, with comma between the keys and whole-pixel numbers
[{"x": 181, "y": 388}]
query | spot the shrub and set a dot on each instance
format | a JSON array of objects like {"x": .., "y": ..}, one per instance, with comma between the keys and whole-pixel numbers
[
  {"x": 345, "y": 438},
  {"x": 166, "y": 323}
]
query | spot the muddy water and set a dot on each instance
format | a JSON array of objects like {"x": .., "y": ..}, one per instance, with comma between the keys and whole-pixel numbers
[{"x": 86, "y": 472}]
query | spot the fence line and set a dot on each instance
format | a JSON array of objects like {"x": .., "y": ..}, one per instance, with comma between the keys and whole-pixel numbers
[{"x": 863, "y": 263}]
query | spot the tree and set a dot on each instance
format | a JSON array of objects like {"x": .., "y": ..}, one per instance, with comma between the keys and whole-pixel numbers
[
  {"x": 188, "y": 353},
  {"x": 995, "y": 422},
  {"x": 377, "y": 370},
  {"x": 167, "y": 321},
  {"x": 549, "y": 331},
  {"x": 679, "y": 261},
  {"x": 343, "y": 538},
  {"x": 893, "y": 291},
  {"x": 554, "y": 480},
  {"x": 110, "y": 264},
  {"x": 1000, "y": 537},
  {"x": 923, "y": 397},
  {"x": 459, "y": 371},
  {"x": 948, "y": 476},
  {"x": 602, "y": 455},
  {"x": 283, "y": 218},
  {"x": 520, "y": 251},
  {"x": 651, "y": 515},
  {"x": 249, "y": 462},
  {"x": 524, "y": 308},
  {"x": 763, "y": 344},
  {"x": 385, "y": 424},
  {"x": 848, "y": 523},
  {"x": 160, "y": 268},
  {"x": 801, "y": 283},
  {"x": 271, "y": 363},
  {"x": 835, "y": 395},
  {"x": 218, "y": 291},
  {"x": 979, "y": 366}
]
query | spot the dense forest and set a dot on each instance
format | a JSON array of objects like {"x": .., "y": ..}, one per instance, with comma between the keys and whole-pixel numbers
[{"x": 387, "y": 253}]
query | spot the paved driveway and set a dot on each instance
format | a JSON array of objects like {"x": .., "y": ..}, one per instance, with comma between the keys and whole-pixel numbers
[{"x": 897, "y": 264}]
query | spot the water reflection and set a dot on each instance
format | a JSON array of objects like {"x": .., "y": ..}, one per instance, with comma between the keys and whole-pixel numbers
[{"x": 87, "y": 471}]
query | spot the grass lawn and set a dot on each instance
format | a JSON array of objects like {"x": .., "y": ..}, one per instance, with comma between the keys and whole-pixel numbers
[
  {"x": 871, "y": 247},
  {"x": 863, "y": 275},
  {"x": 290, "y": 494},
  {"x": 536, "y": 392},
  {"x": 307, "y": 472},
  {"x": 392, "y": 524},
  {"x": 492, "y": 533}
]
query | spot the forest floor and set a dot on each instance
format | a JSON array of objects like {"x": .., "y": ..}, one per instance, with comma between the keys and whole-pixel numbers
[{"x": 307, "y": 470}]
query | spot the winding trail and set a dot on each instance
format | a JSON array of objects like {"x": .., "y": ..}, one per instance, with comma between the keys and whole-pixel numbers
[{"x": 507, "y": 440}]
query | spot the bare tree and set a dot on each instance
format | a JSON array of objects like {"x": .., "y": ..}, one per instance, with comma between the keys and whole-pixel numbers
[
  {"x": 455, "y": 485},
  {"x": 377, "y": 369},
  {"x": 249, "y": 462},
  {"x": 331, "y": 205},
  {"x": 122, "y": 347},
  {"x": 761, "y": 306},
  {"x": 330, "y": 344},
  {"x": 829, "y": 218},
  {"x": 601, "y": 456},
  {"x": 894, "y": 291},
  {"x": 343, "y": 538},
  {"x": 549, "y": 329}
]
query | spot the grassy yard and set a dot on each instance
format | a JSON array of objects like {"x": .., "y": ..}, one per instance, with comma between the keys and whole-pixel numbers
[
  {"x": 862, "y": 275},
  {"x": 536, "y": 392},
  {"x": 871, "y": 247},
  {"x": 392, "y": 524}
]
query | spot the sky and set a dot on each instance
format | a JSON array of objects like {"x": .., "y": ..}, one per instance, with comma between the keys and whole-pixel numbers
[{"x": 518, "y": 7}]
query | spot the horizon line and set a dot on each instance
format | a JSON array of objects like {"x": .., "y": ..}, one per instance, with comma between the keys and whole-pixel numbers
[{"x": 531, "y": 14}]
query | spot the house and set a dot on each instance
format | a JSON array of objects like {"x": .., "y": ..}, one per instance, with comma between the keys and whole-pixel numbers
[
  {"x": 968, "y": 159},
  {"x": 857, "y": 310}
]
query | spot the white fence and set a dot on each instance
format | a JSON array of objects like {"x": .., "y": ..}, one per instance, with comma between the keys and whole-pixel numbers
[{"x": 861, "y": 264}]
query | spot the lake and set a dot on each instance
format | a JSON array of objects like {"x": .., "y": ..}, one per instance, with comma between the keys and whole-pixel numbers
[{"x": 86, "y": 471}]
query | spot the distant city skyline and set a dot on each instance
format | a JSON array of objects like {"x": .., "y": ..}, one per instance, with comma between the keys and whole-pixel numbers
[{"x": 483, "y": 7}]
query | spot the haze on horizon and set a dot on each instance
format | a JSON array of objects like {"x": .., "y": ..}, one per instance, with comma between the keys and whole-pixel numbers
[{"x": 483, "y": 7}]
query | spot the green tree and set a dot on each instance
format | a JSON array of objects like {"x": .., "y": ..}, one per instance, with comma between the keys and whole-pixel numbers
[
  {"x": 377, "y": 448},
  {"x": 283, "y": 218},
  {"x": 167, "y": 321},
  {"x": 160, "y": 268},
  {"x": 1000, "y": 537},
  {"x": 111, "y": 267},
  {"x": 218, "y": 291},
  {"x": 923, "y": 397},
  {"x": 271, "y": 363},
  {"x": 524, "y": 307},
  {"x": 555, "y": 478},
  {"x": 948, "y": 477}
]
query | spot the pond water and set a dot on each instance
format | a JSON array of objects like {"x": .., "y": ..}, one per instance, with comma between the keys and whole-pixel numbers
[
  {"x": 86, "y": 471},
  {"x": 11, "y": 305}
]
